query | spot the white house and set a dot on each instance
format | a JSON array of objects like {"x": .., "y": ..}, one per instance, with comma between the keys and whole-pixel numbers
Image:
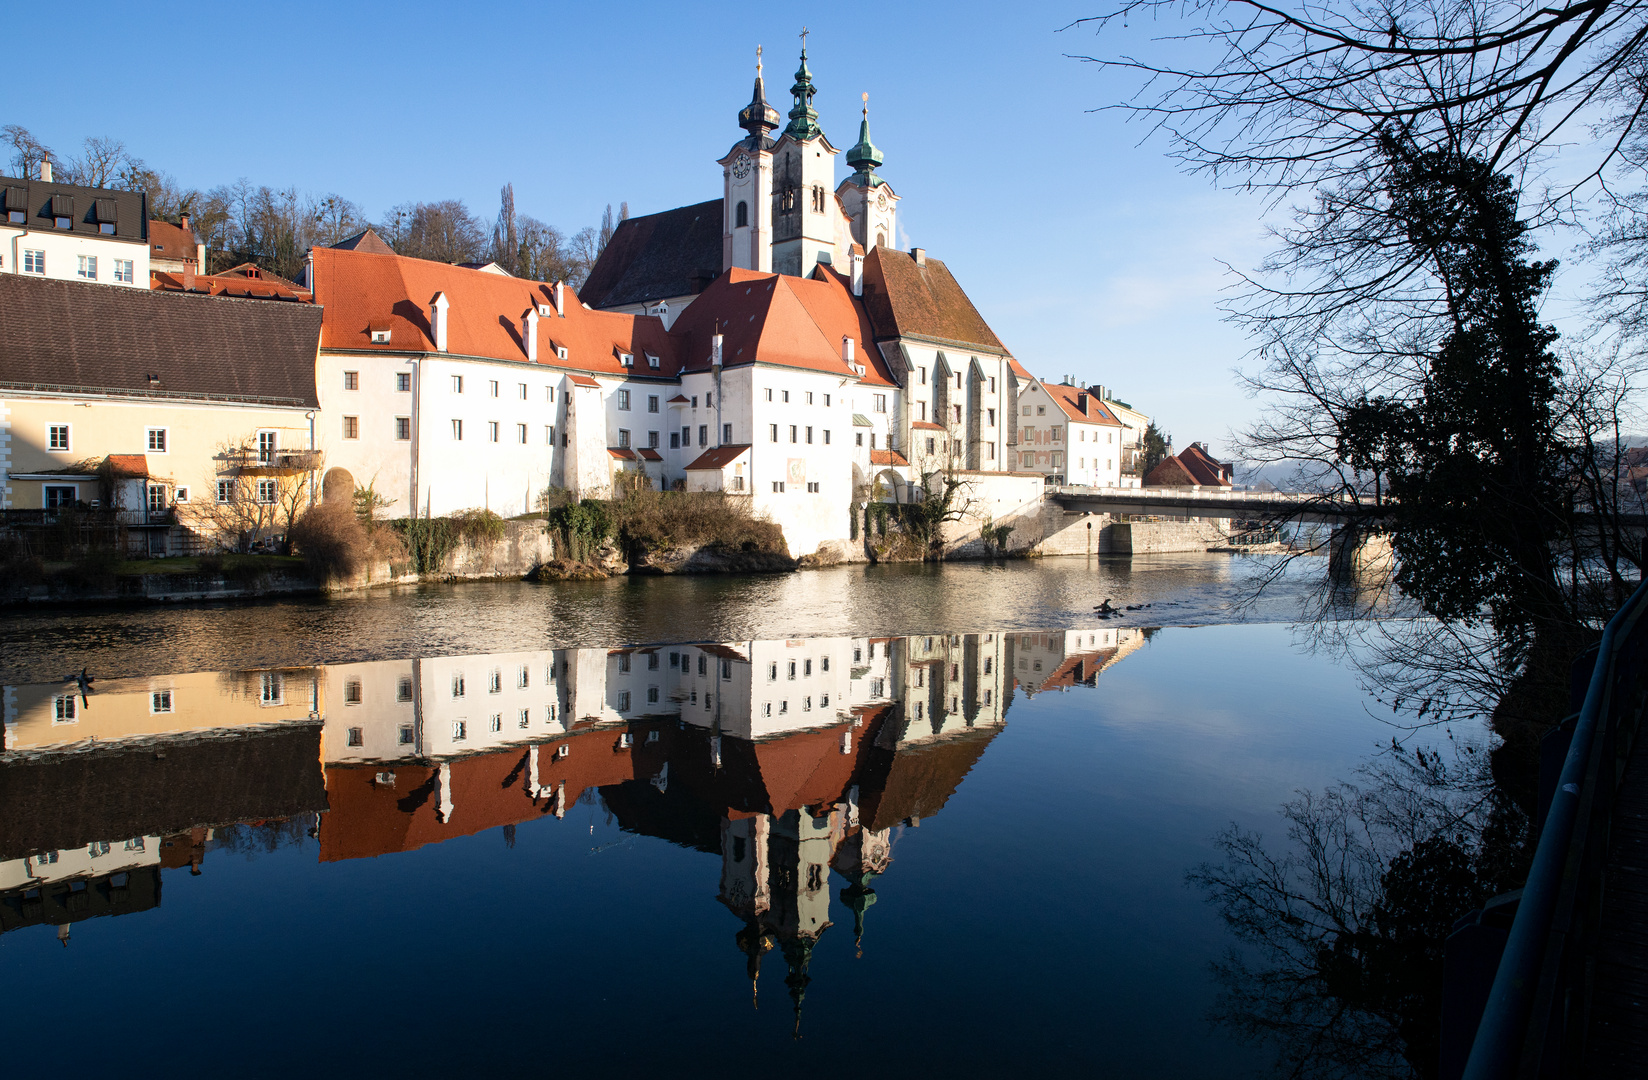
[
  {"x": 1069, "y": 435},
  {"x": 74, "y": 233}
]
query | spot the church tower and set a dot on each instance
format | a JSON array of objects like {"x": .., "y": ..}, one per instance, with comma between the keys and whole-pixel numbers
[
  {"x": 747, "y": 185},
  {"x": 803, "y": 217},
  {"x": 867, "y": 198}
]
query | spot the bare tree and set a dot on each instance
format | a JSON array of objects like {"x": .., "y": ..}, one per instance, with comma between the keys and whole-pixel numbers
[
  {"x": 27, "y": 151},
  {"x": 255, "y": 499}
]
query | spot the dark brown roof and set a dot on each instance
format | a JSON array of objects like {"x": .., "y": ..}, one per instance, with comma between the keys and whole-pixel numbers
[
  {"x": 906, "y": 300},
  {"x": 675, "y": 253},
  {"x": 70, "y": 799},
  {"x": 82, "y": 335},
  {"x": 87, "y": 208},
  {"x": 1190, "y": 467},
  {"x": 365, "y": 240},
  {"x": 718, "y": 458}
]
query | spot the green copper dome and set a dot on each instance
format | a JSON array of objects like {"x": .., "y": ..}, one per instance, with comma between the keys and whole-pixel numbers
[
  {"x": 864, "y": 157},
  {"x": 803, "y": 117}
]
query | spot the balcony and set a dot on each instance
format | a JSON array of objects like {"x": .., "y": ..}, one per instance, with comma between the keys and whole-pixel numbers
[{"x": 268, "y": 462}]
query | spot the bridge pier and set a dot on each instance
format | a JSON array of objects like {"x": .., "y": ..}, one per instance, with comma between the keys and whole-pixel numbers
[{"x": 1358, "y": 554}]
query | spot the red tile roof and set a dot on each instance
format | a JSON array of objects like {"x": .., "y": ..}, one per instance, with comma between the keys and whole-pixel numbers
[
  {"x": 719, "y": 457},
  {"x": 582, "y": 380},
  {"x": 651, "y": 454},
  {"x": 168, "y": 241},
  {"x": 778, "y": 319},
  {"x": 237, "y": 282},
  {"x": 358, "y": 288},
  {"x": 887, "y": 457},
  {"x": 1092, "y": 411},
  {"x": 1191, "y": 467},
  {"x": 678, "y": 399},
  {"x": 129, "y": 464},
  {"x": 906, "y": 300},
  {"x": 926, "y": 425}
]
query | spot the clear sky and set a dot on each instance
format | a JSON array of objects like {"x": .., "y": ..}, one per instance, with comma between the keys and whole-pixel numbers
[{"x": 1087, "y": 252}]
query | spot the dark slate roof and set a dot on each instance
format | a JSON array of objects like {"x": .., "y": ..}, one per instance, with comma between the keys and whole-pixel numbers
[
  {"x": 87, "y": 208},
  {"x": 906, "y": 300},
  {"x": 54, "y": 801},
  {"x": 68, "y": 335},
  {"x": 675, "y": 253},
  {"x": 365, "y": 240}
]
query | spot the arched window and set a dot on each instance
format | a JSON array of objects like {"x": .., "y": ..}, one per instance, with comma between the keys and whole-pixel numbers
[
  {"x": 743, "y": 215},
  {"x": 881, "y": 239}
]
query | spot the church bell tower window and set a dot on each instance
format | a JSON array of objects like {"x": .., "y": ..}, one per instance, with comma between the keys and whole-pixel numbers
[{"x": 743, "y": 213}]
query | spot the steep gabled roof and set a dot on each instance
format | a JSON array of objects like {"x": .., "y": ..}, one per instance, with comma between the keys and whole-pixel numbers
[
  {"x": 87, "y": 209},
  {"x": 1204, "y": 467},
  {"x": 675, "y": 253},
  {"x": 168, "y": 241},
  {"x": 361, "y": 291},
  {"x": 1080, "y": 405},
  {"x": 365, "y": 240},
  {"x": 91, "y": 336},
  {"x": 779, "y": 319},
  {"x": 906, "y": 300},
  {"x": 718, "y": 457}
]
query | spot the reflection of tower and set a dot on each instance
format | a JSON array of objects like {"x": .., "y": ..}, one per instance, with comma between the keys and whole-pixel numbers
[
  {"x": 754, "y": 944},
  {"x": 798, "y": 953}
]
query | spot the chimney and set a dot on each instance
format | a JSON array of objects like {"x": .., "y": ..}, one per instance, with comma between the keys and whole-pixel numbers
[
  {"x": 715, "y": 349},
  {"x": 184, "y": 222},
  {"x": 188, "y": 275},
  {"x": 858, "y": 273},
  {"x": 529, "y": 332},
  {"x": 1081, "y": 403},
  {"x": 560, "y": 310},
  {"x": 847, "y": 350},
  {"x": 920, "y": 256},
  {"x": 1102, "y": 392},
  {"x": 45, "y": 170},
  {"x": 437, "y": 320}
]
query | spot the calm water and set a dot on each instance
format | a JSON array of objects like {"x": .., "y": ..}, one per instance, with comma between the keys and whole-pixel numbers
[{"x": 929, "y": 821}]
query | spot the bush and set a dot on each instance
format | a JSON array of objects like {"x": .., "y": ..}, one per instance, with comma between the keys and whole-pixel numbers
[
  {"x": 648, "y": 520},
  {"x": 334, "y": 544}
]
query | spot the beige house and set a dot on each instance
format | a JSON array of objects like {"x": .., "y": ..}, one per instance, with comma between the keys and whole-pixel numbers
[{"x": 168, "y": 419}]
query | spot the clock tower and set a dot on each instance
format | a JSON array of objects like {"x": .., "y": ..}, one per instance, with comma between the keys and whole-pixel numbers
[
  {"x": 868, "y": 199},
  {"x": 747, "y": 185},
  {"x": 804, "y": 214}
]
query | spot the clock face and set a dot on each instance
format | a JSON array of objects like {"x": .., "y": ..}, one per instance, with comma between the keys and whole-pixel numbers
[
  {"x": 741, "y": 167},
  {"x": 881, "y": 200}
]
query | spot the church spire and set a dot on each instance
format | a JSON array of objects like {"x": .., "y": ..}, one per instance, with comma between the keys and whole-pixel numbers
[
  {"x": 803, "y": 117},
  {"x": 758, "y": 118},
  {"x": 864, "y": 157}
]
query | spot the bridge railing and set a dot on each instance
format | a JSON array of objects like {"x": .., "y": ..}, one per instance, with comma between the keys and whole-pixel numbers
[{"x": 1537, "y": 1013}]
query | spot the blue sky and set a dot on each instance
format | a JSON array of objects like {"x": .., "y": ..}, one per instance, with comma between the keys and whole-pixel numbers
[{"x": 1087, "y": 252}]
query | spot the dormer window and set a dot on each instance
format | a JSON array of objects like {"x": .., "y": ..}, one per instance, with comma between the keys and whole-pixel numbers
[
  {"x": 560, "y": 352},
  {"x": 380, "y": 337},
  {"x": 545, "y": 311},
  {"x": 63, "y": 223},
  {"x": 626, "y": 359},
  {"x": 652, "y": 361}
]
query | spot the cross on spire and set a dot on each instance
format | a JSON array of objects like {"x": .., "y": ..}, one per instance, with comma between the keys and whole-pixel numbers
[{"x": 804, "y": 33}]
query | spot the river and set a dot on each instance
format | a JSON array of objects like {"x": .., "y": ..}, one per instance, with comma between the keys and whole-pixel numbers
[{"x": 893, "y": 820}]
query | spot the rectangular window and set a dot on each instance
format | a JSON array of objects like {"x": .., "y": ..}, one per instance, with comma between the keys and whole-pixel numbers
[
  {"x": 778, "y": 487},
  {"x": 492, "y": 384},
  {"x": 267, "y": 491},
  {"x": 686, "y": 436},
  {"x": 57, "y": 436},
  {"x": 123, "y": 272},
  {"x": 623, "y": 401},
  {"x": 652, "y": 695},
  {"x": 703, "y": 434},
  {"x": 522, "y": 391},
  {"x": 457, "y": 384},
  {"x": 460, "y": 730},
  {"x": 403, "y": 428},
  {"x": 352, "y": 692},
  {"x": 652, "y": 403},
  {"x": 406, "y": 735},
  {"x": 160, "y": 701},
  {"x": 457, "y": 430},
  {"x": 59, "y": 496},
  {"x": 652, "y": 439},
  {"x": 496, "y": 722},
  {"x": 351, "y": 380},
  {"x": 225, "y": 491},
  {"x": 157, "y": 498},
  {"x": 351, "y": 427},
  {"x": 458, "y": 686},
  {"x": 881, "y": 403},
  {"x": 769, "y": 389},
  {"x": 809, "y": 397},
  {"x": 992, "y": 384},
  {"x": 403, "y": 382},
  {"x": 990, "y": 417},
  {"x": 809, "y": 435},
  {"x": 786, "y": 396},
  {"x": 520, "y": 434},
  {"x": 492, "y": 430},
  {"x": 549, "y": 394},
  {"x": 826, "y": 401},
  {"x": 88, "y": 267},
  {"x": 726, "y": 433},
  {"x": 549, "y": 434},
  {"x": 34, "y": 262},
  {"x": 63, "y": 709},
  {"x": 922, "y": 378},
  {"x": 157, "y": 440},
  {"x": 623, "y": 437},
  {"x": 266, "y": 447},
  {"x": 623, "y": 701},
  {"x": 271, "y": 689},
  {"x": 772, "y": 432},
  {"x": 793, "y": 433},
  {"x": 403, "y": 689},
  {"x": 812, "y": 487},
  {"x": 675, "y": 440}
]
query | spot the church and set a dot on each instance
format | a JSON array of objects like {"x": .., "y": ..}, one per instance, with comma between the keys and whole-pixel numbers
[{"x": 771, "y": 343}]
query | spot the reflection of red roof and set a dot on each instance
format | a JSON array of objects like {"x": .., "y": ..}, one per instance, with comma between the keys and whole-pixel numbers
[
  {"x": 367, "y": 818},
  {"x": 133, "y": 465},
  {"x": 484, "y": 318},
  {"x": 778, "y": 319},
  {"x": 887, "y": 457},
  {"x": 921, "y": 779},
  {"x": 718, "y": 457},
  {"x": 806, "y": 768}
]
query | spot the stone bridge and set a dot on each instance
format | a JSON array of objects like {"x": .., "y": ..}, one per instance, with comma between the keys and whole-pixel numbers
[{"x": 1192, "y": 502}]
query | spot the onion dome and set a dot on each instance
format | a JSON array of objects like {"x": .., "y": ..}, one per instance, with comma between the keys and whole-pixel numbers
[
  {"x": 864, "y": 157},
  {"x": 803, "y": 117},
  {"x": 758, "y": 118}
]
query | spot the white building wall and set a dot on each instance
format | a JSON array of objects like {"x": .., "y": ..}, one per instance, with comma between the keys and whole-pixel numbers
[{"x": 63, "y": 251}]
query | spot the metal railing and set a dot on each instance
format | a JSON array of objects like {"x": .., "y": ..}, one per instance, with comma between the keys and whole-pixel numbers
[{"x": 1537, "y": 1014}]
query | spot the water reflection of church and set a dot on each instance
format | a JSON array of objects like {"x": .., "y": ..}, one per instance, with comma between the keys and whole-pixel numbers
[{"x": 788, "y": 759}]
